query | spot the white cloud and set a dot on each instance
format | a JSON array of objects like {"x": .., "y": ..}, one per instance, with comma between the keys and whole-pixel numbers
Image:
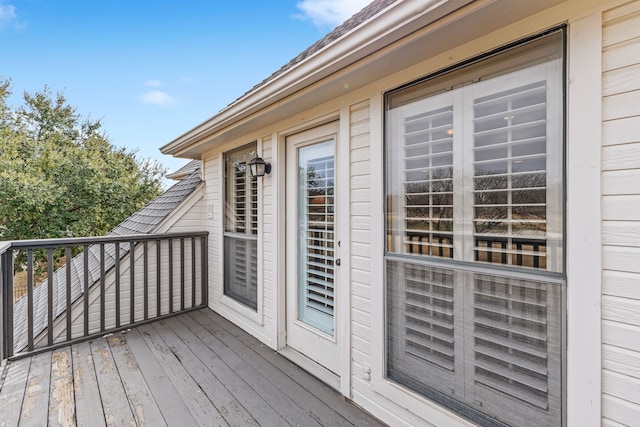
[
  {"x": 7, "y": 14},
  {"x": 157, "y": 97},
  {"x": 153, "y": 83},
  {"x": 329, "y": 13}
]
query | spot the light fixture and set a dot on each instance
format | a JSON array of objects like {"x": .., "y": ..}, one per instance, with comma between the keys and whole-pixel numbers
[{"x": 259, "y": 167}]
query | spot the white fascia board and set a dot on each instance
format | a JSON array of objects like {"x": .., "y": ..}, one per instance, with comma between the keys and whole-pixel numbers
[{"x": 393, "y": 23}]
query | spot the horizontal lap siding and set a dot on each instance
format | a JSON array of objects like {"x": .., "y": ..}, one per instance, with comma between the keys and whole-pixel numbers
[
  {"x": 213, "y": 200},
  {"x": 621, "y": 215},
  {"x": 268, "y": 242},
  {"x": 360, "y": 229}
]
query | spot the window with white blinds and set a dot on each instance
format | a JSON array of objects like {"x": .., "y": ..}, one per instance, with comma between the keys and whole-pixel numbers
[
  {"x": 241, "y": 227},
  {"x": 473, "y": 171}
]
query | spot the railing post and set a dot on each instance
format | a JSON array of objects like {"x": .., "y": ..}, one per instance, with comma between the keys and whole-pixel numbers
[
  {"x": 6, "y": 301},
  {"x": 2, "y": 309},
  {"x": 204, "y": 262}
]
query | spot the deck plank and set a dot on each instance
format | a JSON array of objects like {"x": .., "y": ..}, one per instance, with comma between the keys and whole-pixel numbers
[
  {"x": 144, "y": 407},
  {"x": 115, "y": 404},
  {"x": 89, "y": 411},
  {"x": 173, "y": 408},
  {"x": 13, "y": 391},
  {"x": 228, "y": 406},
  {"x": 62, "y": 408},
  {"x": 202, "y": 410},
  {"x": 324, "y": 393},
  {"x": 252, "y": 401},
  {"x": 190, "y": 370},
  {"x": 316, "y": 408},
  {"x": 35, "y": 406},
  {"x": 282, "y": 403}
]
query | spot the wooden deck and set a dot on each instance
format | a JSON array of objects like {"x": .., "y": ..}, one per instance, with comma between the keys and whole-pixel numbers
[{"x": 195, "y": 369}]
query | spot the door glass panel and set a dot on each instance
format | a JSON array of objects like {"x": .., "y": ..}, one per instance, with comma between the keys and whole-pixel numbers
[{"x": 316, "y": 235}]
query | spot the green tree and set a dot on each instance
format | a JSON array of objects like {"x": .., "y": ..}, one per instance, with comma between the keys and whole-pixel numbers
[{"x": 59, "y": 174}]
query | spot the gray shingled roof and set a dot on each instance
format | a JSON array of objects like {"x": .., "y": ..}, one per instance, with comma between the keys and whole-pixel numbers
[
  {"x": 359, "y": 18},
  {"x": 144, "y": 221},
  {"x": 185, "y": 170}
]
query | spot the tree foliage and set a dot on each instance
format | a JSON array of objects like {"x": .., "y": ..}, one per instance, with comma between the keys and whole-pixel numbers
[{"x": 59, "y": 174}]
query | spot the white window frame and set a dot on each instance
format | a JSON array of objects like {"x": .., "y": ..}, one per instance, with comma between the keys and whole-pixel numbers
[
  {"x": 390, "y": 390},
  {"x": 235, "y": 302}
]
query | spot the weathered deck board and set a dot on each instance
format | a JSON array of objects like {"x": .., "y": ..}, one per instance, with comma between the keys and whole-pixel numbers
[
  {"x": 87, "y": 394},
  {"x": 35, "y": 406},
  {"x": 117, "y": 411},
  {"x": 195, "y": 369},
  {"x": 62, "y": 408},
  {"x": 13, "y": 390},
  {"x": 144, "y": 407}
]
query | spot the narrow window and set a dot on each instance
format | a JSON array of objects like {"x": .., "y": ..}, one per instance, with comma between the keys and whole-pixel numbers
[
  {"x": 474, "y": 238},
  {"x": 241, "y": 227}
]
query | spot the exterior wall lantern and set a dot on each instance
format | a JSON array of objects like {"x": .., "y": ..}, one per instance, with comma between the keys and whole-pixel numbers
[{"x": 259, "y": 167}]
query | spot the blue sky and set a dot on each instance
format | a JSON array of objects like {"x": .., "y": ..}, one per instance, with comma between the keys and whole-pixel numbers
[{"x": 153, "y": 70}]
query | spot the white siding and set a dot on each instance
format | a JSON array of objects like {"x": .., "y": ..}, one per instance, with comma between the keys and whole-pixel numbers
[
  {"x": 360, "y": 188},
  {"x": 621, "y": 215},
  {"x": 268, "y": 243}
]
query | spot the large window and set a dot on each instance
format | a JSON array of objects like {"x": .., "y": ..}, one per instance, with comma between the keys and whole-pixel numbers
[
  {"x": 241, "y": 227},
  {"x": 474, "y": 248}
]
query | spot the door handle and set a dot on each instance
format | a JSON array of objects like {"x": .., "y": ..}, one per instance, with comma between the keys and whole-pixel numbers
[{"x": 338, "y": 262}]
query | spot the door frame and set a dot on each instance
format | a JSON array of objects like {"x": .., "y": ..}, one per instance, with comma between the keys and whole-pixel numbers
[{"x": 341, "y": 382}]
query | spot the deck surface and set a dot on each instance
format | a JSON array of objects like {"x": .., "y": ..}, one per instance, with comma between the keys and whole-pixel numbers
[{"x": 195, "y": 369}]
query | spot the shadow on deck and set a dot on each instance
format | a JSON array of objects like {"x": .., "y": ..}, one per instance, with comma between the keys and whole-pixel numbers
[{"x": 195, "y": 369}]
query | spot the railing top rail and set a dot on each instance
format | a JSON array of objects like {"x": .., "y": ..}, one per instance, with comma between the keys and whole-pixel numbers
[
  {"x": 78, "y": 241},
  {"x": 4, "y": 246}
]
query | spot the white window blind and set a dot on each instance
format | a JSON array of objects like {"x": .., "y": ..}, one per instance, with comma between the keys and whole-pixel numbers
[
  {"x": 316, "y": 257},
  {"x": 474, "y": 174},
  {"x": 319, "y": 181}
]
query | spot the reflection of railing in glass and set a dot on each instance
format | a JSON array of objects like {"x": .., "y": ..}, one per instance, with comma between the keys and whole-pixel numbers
[
  {"x": 510, "y": 218},
  {"x": 429, "y": 214}
]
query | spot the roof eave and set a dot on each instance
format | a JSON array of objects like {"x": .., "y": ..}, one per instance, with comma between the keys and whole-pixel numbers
[{"x": 383, "y": 29}]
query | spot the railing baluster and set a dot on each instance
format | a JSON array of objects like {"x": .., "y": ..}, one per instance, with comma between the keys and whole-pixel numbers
[
  {"x": 132, "y": 282},
  {"x": 117, "y": 284},
  {"x": 158, "y": 279},
  {"x": 102, "y": 289},
  {"x": 146, "y": 279},
  {"x": 8, "y": 303},
  {"x": 170, "y": 275},
  {"x": 193, "y": 272},
  {"x": 50, "y": 296},
  {"x": 85, "y": 295},
  {"x": 67, "y": 254},
  {"x": 3, "y": 304},
  {"x": 30, "y": 299},
  {"x": 182, "y": 268}
]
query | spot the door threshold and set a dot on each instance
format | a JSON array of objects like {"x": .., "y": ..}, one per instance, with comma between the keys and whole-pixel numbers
[{"x": 314, "y": 368}]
